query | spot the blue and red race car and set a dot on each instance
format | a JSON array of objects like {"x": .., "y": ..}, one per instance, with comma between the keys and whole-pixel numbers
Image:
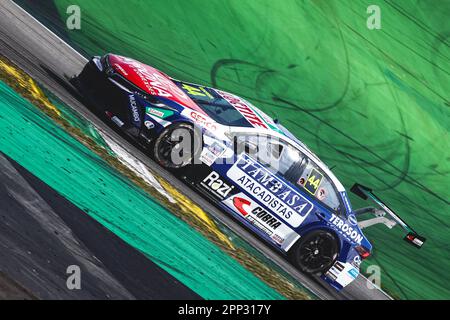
[{"x": 241, "y": 160}]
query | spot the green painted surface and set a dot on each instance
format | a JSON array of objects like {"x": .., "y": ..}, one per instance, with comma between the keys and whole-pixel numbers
[
  {"x": 373, "y": 103},
  {"x": 34, "y": 141},
  {"x": 75, "y": 120}
]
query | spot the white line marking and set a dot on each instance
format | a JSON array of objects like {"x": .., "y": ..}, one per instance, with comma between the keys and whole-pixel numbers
[{"x": 135, "y": 165}]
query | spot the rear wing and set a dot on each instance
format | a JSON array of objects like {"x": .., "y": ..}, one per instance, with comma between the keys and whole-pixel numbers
[{"x": 411, "y": 237}]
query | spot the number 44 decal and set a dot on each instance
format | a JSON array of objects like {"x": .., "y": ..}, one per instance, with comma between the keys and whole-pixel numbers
[
  {"x": 196, "y": 91},
  {"x": 313, "y": 182}
]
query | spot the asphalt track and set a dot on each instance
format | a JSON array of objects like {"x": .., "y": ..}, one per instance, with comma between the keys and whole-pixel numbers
[
  {"x": 42, "y": 233},
  {"x": 50, "y": 61}
]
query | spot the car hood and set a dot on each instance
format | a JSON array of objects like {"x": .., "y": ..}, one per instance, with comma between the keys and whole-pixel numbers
[{"x": 151, "y": 80}]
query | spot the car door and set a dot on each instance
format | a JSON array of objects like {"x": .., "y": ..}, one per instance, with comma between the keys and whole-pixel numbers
[{"x": 263, "y": 196}]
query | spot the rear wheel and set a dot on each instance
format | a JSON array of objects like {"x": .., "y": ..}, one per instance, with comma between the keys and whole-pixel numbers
[
  {"x": 177, "y": 146},
  {"x": 315, "y": 252}
]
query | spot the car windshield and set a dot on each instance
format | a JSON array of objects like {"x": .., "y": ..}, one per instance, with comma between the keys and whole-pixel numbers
[
  {"x": 287, "y": 161},
  {"x": 215, "y": 106},
  {"x": 223, "y": 113}
]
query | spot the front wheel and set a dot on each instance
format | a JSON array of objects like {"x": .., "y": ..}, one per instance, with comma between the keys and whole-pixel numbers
[
  {"x": 177, "y": 146},
  {"x": 315, "y": 252}
]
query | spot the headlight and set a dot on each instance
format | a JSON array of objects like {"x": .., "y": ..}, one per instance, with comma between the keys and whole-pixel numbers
[{"x": 97, "y": 61}]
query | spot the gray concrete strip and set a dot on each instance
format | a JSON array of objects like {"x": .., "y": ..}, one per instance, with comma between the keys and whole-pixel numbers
[
  {"x": 30, "y": 227},
  {"x": 42, "y": 234}
]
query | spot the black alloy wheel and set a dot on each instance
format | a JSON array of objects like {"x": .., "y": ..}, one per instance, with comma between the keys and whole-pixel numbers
[
  {"x": 315, "y": 252},
  {"x": 175, "y": 147}
]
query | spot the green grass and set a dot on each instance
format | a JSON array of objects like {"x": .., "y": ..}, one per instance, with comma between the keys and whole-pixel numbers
[{"x": 373, "y": 103}]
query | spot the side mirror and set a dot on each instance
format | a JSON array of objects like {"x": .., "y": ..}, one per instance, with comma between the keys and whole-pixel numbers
[{"x": 358, "y": 190}]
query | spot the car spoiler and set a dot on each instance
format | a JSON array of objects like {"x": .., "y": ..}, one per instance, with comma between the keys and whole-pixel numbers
[{"x": 411, "y": 237}]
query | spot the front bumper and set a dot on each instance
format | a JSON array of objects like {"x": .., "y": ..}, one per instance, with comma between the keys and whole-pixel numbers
[
  {"x": 96, "y": 81},
  {"x": 341, "y": 274},
  {"x": 114, "y": 97}
]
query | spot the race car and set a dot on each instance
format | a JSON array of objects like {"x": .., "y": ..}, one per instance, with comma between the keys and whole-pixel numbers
[{"x": 243, "y": 161}]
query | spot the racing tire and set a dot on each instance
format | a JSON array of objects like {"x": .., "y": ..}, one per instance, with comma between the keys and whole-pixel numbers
[
  {"x": 168, "y": 146},
  {"x": 315, "y": 252}
]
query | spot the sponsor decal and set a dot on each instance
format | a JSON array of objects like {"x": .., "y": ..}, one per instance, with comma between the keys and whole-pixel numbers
[
  {"x": 259, "y": 217},
  {"x": 202, "y": 120},
  {"x": 352, "y": 219},
  {"x": 214, "y": 183},
  {"x": 239, "y": 204},
  {"x": 149, "y": 125},
  {"x": 207, "y": 157},
  {"x": 346, "y": 229},
  {"x": 155, "y": 112},
  {"x": 273, "y": 193},
  {"x": 160, "y": 113},
  {"x": 246, "y": 111},
  {"x": 117, "y": 121},
  {"x": 339, "y": 266},
  {"x": 342, "y": 273},
  {"x": 353, "y": 273},
  {"x": 321, "y": 195},
  {"x": 357, "y": 261},
  {"x": 258, "y": 212},
  {"x": 120, "y": 69},
  {"x": 134, "y": 110},
  {"x": 216, "y": 148},
  {"x": 156, "y": 83},
  {"x": 266, "y": 217},
  {"x": 278, "y": 239},
  {"x": 211, "y": 153}
]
